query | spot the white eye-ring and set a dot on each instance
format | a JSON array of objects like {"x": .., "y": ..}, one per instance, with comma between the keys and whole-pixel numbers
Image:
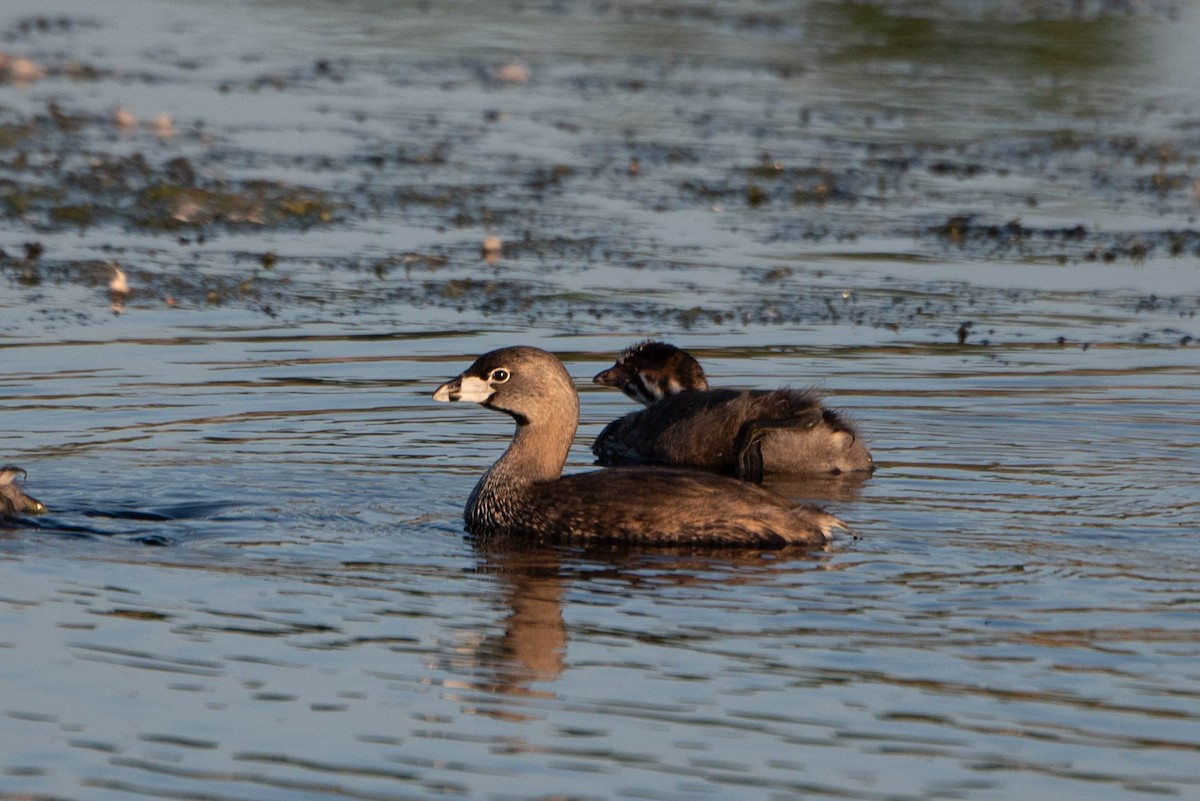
[{"x": 499, "y": 375}]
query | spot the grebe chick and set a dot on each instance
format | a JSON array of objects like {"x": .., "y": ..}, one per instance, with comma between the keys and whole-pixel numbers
[
  {"x": 524, "y": 497},
  {"x": 14, "y": 502},
  {"x": 745, "y": 433},
  {"x": 649, "y": 371}
]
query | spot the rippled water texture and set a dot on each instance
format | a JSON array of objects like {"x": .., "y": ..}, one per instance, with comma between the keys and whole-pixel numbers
[{"x": 971, "y": 224}]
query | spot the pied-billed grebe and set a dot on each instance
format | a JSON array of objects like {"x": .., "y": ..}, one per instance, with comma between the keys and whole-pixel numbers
[
  {"x": 525, "y": 497},
  {"x": 14, "y": 502},
  {"x": 742, "y": 432}
]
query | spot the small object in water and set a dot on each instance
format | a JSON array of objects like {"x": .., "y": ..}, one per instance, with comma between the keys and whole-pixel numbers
[
  {"x": 119, "y": 285},
  {"x": 512, "y": 73},
  {"x": 19, "y": 69},
  {"x": 745, "y": 433},
  {"x": 491, "y": 247},
  {"x": 118, "y": 288},
  {"x": 524, "y": 497},
  {"x": 14, "y": 502},
  {"x": 124, "y": 119},
  {"x": 163, "y": 126}
]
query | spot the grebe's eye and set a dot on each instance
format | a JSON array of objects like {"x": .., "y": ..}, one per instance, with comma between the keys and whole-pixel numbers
[{"x": 499, "y": 375}]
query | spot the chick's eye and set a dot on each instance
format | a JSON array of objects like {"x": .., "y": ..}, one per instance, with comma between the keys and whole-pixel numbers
[{"x": 500, "y": 375}]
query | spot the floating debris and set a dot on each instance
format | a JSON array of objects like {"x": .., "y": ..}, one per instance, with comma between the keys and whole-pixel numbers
[
  {"x": 20, "y": 70},
  {"x": 163, "y": 126},
  {"x": 513, "y": 72},
  {"x": 118, "y": 288},
  {"x": 124, "y": 119},
  {"x": 490, "y": 249}
]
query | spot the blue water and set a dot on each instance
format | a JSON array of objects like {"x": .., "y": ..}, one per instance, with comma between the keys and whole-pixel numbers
[{"x": 253, "y": 583}]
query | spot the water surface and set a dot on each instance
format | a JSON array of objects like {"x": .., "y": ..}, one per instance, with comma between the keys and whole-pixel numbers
[{"x": 971, "y": 225}]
